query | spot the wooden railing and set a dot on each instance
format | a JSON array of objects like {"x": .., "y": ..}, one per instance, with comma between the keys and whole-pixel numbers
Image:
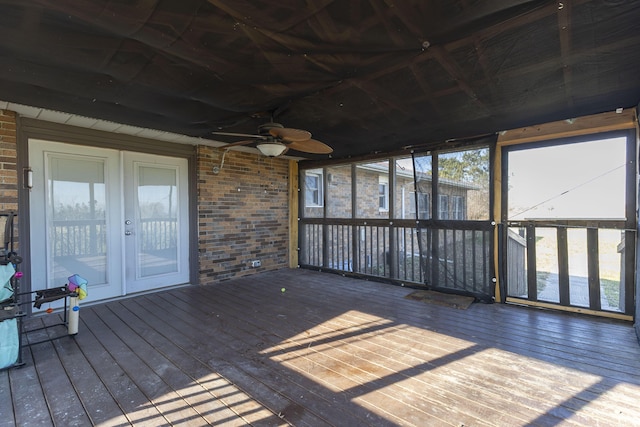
[
  {"x": 459, "y": 257},
  {"x": 79, "y": 238},
  {"x": 453, "y": 255},
  {"x": 158, "y": 234},
  {"x": 593, "y": 272},
  {"x": 516, "y": 271},
  {"x": 89, "y": 237},
  {"x": 379, "y": 248}
]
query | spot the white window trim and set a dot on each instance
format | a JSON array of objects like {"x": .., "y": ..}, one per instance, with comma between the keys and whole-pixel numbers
[
  {"x": 383, "y": 180},
  {"x": 441, "y": 211},
  {"x": 417, "y": 210},
  {"x": 458, "y": 202},
  {"x": 320, "y": 189}
]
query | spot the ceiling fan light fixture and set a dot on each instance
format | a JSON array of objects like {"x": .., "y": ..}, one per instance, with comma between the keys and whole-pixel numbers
[{"x": 271, "y": 149}]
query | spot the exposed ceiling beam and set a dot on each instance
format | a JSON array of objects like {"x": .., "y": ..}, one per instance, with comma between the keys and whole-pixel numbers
[{"x": 564, "y": 33}]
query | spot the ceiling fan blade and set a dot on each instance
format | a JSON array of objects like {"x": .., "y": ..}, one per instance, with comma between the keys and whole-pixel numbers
[
  {"x": 242, "y": 135},
  {"x": 290, "y": 134},
  {"x": 311, "y": 146},
  {"x": 237, "y": 143}
]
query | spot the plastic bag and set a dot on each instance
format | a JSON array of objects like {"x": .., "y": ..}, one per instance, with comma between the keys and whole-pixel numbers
[{"x": 9, "y": 342}]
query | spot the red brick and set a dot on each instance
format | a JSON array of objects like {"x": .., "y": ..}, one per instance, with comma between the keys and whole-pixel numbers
[
  {"x": 239, "y": 226},
  {"x": 8, "y": 160}
]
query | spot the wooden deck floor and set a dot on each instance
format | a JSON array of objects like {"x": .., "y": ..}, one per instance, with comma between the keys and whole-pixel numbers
[{"x": 328, "y": 351}]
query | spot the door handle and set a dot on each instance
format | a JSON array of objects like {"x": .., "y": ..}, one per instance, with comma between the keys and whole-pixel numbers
[{"x": 128, "y": 233}]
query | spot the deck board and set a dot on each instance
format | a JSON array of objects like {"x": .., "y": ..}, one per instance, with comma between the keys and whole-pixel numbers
[
  {"x": 57, "y": 386},
  {"x": 204, "y": 388},
  {"x": 6, "y": 405},
  {"x": 328, "y": 351}
]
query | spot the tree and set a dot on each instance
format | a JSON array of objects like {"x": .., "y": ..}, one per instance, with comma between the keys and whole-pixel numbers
[{"x": 471, "y": 166}]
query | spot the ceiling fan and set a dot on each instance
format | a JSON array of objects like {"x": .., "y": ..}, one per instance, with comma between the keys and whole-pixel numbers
[{"x": 273, "y": 140}]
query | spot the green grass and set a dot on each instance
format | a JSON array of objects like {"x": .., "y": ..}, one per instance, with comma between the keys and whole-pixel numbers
[{"x": 611, "y": 290}]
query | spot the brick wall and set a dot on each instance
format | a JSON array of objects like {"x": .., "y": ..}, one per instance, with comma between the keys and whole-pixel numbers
[
  {"x": 368, "y": 195},
  {"x": 8, "y": 170},
  {"x": 242, "y": 214},
  {"x": 339, "y": 192}
]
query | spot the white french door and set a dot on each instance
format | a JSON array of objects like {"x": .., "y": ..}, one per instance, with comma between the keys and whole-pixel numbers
[
  {"x": 155, "y": 221},
  {"x": 118, "y": 219}
]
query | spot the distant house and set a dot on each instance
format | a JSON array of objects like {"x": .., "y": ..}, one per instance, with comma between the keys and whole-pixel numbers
[{"x": 373, "y": 194}]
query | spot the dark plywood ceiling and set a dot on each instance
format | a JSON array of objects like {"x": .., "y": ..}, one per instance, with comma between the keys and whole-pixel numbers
[{"x": 364, "y": 76}]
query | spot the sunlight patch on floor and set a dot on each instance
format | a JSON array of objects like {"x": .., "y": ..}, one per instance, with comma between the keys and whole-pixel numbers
[
  {"x": 369, "y": 360},
  {"x": 354, "y": 355}
]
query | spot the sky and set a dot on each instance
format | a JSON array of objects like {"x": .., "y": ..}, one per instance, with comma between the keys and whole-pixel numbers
[{"x": 571, "y": 181}]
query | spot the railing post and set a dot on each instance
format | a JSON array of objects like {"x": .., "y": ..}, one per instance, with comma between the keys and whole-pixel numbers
[
  {"x": 563, "y": 266},
  {"x": 532, "y": 274},
  {"x": 593, "y": 268},
  {"x": 393, "y": 253}
]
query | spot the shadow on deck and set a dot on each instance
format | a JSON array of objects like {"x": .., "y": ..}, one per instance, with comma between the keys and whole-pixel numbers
[{"x": 328, "y": 351}]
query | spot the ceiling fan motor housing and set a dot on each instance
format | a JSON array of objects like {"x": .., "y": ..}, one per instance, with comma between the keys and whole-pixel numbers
[{"x": 264, "y": 129}]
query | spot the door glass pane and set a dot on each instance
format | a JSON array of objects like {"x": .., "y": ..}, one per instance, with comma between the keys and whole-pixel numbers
[
  {"x": 157, "y": 221},
  {"x": 77, "y": 229}
]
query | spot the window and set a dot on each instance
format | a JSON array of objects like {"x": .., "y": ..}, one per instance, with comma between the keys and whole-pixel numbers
[
  {"x": 458, "y": 208},
  {"x": 383, "y": 193},
  {"x": 313, "y": 189},
  {"x": 383, "y": 197},
  {"x": 424, "y": 205},
  {"x": 443, "y": 206}
]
